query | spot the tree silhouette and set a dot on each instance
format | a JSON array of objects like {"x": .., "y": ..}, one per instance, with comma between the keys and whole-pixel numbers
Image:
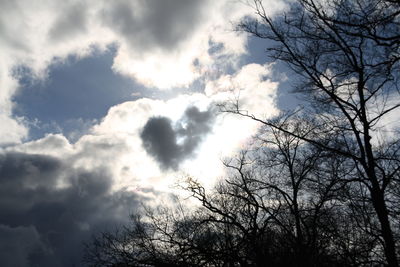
[
  {"x": 320, "y": 185},
  {"x": 282, "y": 203},
  {"x": 346, "y": 54}
]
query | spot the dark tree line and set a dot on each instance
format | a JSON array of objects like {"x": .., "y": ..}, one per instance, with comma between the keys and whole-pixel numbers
[{"x": 319, "y": 186}]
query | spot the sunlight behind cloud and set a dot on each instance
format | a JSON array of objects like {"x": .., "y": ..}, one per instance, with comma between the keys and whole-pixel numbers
[
  {"x": 99, "y": 178},
  {"x": 161, "y": 46}
]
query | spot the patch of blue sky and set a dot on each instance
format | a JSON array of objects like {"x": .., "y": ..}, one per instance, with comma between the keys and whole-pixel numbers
[{"x": 75, "y": 94}]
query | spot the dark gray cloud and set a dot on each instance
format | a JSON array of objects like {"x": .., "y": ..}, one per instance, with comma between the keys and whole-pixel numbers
[
  {"x": 159, "y": 140},
  {"x": 19, "y": 244},
  {"x": 42, "y": 221},
  {"x": 154, "y": 23},
  {"x": 9, "y": 37},
  {"x": 170, "y": 144},
  {"x": 71, "y": 21}
]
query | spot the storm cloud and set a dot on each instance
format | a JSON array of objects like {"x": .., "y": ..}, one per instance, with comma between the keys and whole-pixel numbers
[
  {"x": 70, "y": 23},
  {"x": 154, "y": 24},
  {"x": 171, "y": 143},
  {"x": 47, "y": 209}
]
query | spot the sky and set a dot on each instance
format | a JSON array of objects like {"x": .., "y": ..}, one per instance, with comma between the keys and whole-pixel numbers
[{"x": 106, "y": 105}]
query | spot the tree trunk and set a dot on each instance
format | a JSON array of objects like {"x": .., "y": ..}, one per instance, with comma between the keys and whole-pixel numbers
[{"x": 379, "y": 204}]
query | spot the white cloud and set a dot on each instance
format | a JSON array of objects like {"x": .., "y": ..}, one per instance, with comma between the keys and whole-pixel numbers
[
  {"x": 115, "y": 143},
  {"x": 250, "y": 86},
  {"x": 160, "y": 43},
  {"x": 12, "y": 130}
]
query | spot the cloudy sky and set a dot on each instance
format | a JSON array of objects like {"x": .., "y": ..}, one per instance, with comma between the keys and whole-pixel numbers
[{"x": 107, "y": 104}]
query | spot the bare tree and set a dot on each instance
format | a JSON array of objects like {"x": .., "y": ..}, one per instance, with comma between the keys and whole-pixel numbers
[
  {"x": 346, "y": 55},
  {"x": 275, "y": 206},
  {"x": 283, "y": 203}
]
